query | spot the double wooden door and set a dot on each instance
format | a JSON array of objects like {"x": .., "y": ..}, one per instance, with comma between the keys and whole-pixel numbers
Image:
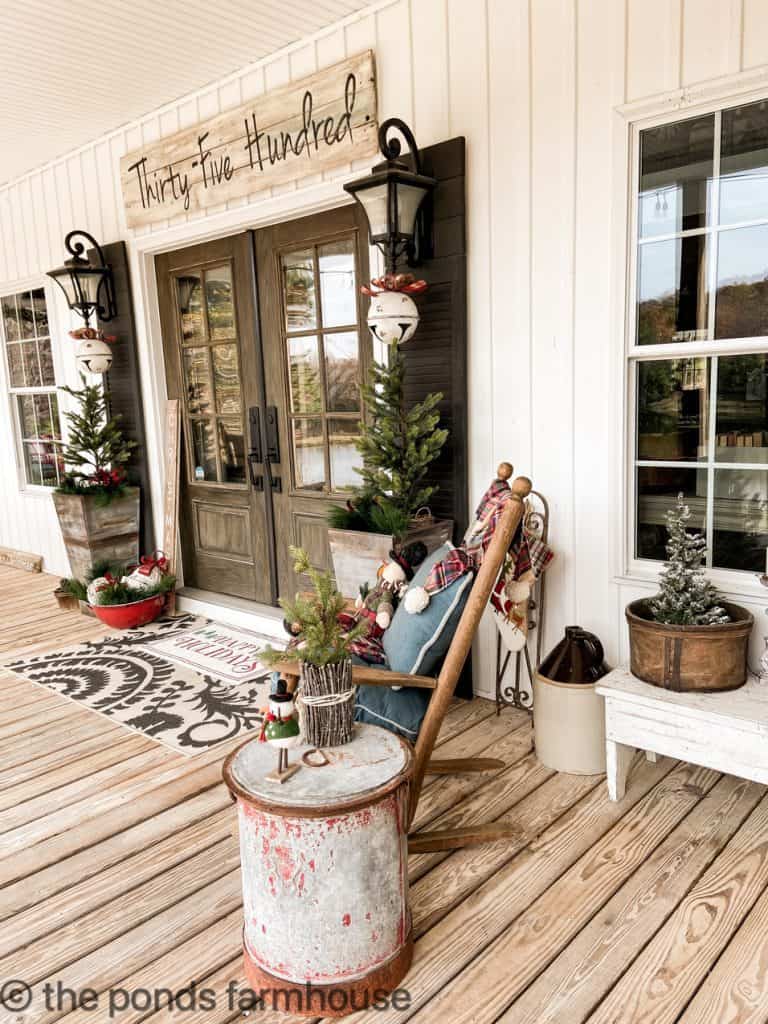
[{"x": 265, "y": 345}]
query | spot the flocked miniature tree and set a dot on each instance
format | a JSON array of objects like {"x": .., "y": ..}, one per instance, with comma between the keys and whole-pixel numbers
[
  {"x": 97, "y": 449},
  {"x": 686, "y": 597},
  {"x": 398, "y": 444}
]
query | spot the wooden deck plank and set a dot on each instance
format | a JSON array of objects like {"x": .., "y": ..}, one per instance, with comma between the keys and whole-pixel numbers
[
  {"x": 116, "y": 880},
  {"x": 111, "y": 798},
  {"x": 115, "y": 772},
  {"x": 134, "y": 949},
  {"x": 69, "y": 864},
  {"x": 592, "y": 963},
  {"x": 81, "y": 938},
  {"x": 435, "y": 894},
  {"x": 52, "y": 773},
  {"x": 662, "y": 980},
  {"x": 736, "y": 989},
  {"x": 23, "y": 748},
  {"x": 524, "y": 949},
  {"x": 440, "y": 955}
]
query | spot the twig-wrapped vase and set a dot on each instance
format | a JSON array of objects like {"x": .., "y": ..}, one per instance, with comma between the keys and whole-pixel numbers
[{"x": 327, "y": 704}]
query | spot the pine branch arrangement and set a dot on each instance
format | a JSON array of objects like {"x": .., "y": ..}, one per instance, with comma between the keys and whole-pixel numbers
[
  {"x": 95, "y": 438},
  {"x": 398, "y": 445},
  {"x": 686, "y": 597},
  {"x": 323, "y": 639}
]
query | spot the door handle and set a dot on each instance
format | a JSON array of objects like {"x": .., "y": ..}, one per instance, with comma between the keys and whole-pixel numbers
[
  {"x": 273, "y": 448},
  {"x": 255, "y": 455},
  {"x": 274, "y": 482},
  {"x": 273, "y": 434}
]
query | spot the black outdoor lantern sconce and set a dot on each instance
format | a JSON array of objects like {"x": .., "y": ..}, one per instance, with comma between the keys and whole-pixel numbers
[
  {"x": 393, "y": 196},
  {"x": 88, "y": 286}
]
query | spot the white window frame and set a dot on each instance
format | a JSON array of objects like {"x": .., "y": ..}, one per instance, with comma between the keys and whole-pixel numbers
[
  {"x": 25, "y": 486},
  {"x": 633, "y": 118}
]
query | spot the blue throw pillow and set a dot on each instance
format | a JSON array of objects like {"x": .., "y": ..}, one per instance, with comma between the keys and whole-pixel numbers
[
  {"x": 400, "y": 711},
  {"x": 414, "y": 644}
]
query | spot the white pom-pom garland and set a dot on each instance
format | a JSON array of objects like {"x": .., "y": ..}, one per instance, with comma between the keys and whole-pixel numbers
[{"x": 416, "y": 600}]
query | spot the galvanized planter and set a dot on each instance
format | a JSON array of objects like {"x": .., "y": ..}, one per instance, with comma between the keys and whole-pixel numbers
[
  {"x": 357, "y": 555},
  {"x": 92, "y": 534},
  {"x": 683, "y": 658},
  {"x": 327, "y": 927}
]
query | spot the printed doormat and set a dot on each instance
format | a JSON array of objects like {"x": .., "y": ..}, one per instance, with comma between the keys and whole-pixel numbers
[{"x": 185, "y": 682}]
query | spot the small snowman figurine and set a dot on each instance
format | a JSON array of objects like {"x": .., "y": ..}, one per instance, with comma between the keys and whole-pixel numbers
[{"x": 281, "y": 729}]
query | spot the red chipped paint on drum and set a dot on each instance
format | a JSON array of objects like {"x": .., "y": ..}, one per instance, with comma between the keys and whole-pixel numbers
[{"x": 325, "y": 884}]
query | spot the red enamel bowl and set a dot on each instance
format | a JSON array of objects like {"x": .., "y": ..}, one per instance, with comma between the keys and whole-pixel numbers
[{"x": 129, "y": 616}]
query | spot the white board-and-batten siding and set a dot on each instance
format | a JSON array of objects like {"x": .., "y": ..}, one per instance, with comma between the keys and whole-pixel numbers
[{"x": 533, "y": 85}]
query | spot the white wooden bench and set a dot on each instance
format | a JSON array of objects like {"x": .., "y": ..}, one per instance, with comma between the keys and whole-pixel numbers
[{"x": 727, "y": 731}]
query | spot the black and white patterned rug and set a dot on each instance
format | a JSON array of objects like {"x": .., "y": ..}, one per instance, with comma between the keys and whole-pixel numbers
[{"x": 138, "y": 679}]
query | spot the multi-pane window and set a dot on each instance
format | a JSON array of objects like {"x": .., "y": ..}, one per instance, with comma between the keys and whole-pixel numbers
[
  {"x": 701, "y": 412},
  {"x": 32, "y": 384},
  {"x": 322, "y": 349},
  {"x": 211, "y": 365}
]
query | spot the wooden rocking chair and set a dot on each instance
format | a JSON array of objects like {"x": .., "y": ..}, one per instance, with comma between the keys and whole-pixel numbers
[{"x": 444, "y": 686}]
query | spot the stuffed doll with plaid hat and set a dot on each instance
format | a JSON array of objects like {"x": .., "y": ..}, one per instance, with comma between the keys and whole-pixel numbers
[{"x": 378, "y": 604}]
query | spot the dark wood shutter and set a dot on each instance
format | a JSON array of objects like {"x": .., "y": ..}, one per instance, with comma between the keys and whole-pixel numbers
[
  {"x": 124, "y": 386},
  {"x": 436, "y": 359}
]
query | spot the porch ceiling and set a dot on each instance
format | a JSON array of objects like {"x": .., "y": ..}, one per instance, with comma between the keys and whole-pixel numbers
[{"x": 70, "y": 72}]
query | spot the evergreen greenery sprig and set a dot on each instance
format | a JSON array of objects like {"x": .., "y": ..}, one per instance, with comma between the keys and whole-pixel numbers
[
  {"x": 398, "y": 444},
  {"x": 118, "y": 593},
  {"x": 686, "y": 597},
  {"x": 323, "y": 638},
  {"x": 97, "y": 449}
]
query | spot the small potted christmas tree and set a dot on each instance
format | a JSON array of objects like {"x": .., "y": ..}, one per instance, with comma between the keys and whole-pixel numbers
[
  {"x": 686, "y": 637},
  {"x": 98, "y": 513},
  {"x": 323, "y": 638},
  {"x": 398, "y": 444}
]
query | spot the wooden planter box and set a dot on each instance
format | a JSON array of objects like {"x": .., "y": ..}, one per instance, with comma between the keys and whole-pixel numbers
[
  {"x": 689, "y": 657},
  {"x": 92, "y": 533},
  {"x": 357, "y": 555},
  {"x": 65, "y": 600}
]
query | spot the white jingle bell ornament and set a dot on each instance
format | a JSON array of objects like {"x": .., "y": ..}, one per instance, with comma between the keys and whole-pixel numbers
[
  {"x": 392, "y": 317},
  {"x": 93, "y": 356},
  {"x": 147, "y": 574}
]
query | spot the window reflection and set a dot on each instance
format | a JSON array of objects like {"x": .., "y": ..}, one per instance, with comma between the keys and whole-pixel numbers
[
  {"x": 338, "y": 289},
  {"x": 672, "y": 409},
  {"x": 740, "y": 534},
  {"x": 741, "y": 427},
  {"x": 309, "y": 453},
  {"x": 672, "y": 291},
  {"x": 742, "y": 283},
  {"x": 305, "y": 384},
  {"x": 342, "y": 435},
  {"x": 744, "y": 163},
  {"x": 342, "y": 371},
  {"x": 190, "y": 298},
  {"x": 299, "y": 290},
  {"x": 657, "y": 491},
  {"x": 675, "y": 171}
]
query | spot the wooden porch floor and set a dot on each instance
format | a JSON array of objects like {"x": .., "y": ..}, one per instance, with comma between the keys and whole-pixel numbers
[{"x": 119, "y": 869}]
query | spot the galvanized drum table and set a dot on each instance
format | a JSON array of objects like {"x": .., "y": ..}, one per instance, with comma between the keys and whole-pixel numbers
[{"x": 324, "y": 868}]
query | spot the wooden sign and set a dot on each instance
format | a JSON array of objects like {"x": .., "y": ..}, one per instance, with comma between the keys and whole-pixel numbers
[
  {"x": 171, "y": 496},
  {"x": 319, "y": 122}
]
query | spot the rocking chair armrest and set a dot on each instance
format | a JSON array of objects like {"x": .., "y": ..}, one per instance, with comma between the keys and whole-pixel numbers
[{"x": 364, "y": 674}]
